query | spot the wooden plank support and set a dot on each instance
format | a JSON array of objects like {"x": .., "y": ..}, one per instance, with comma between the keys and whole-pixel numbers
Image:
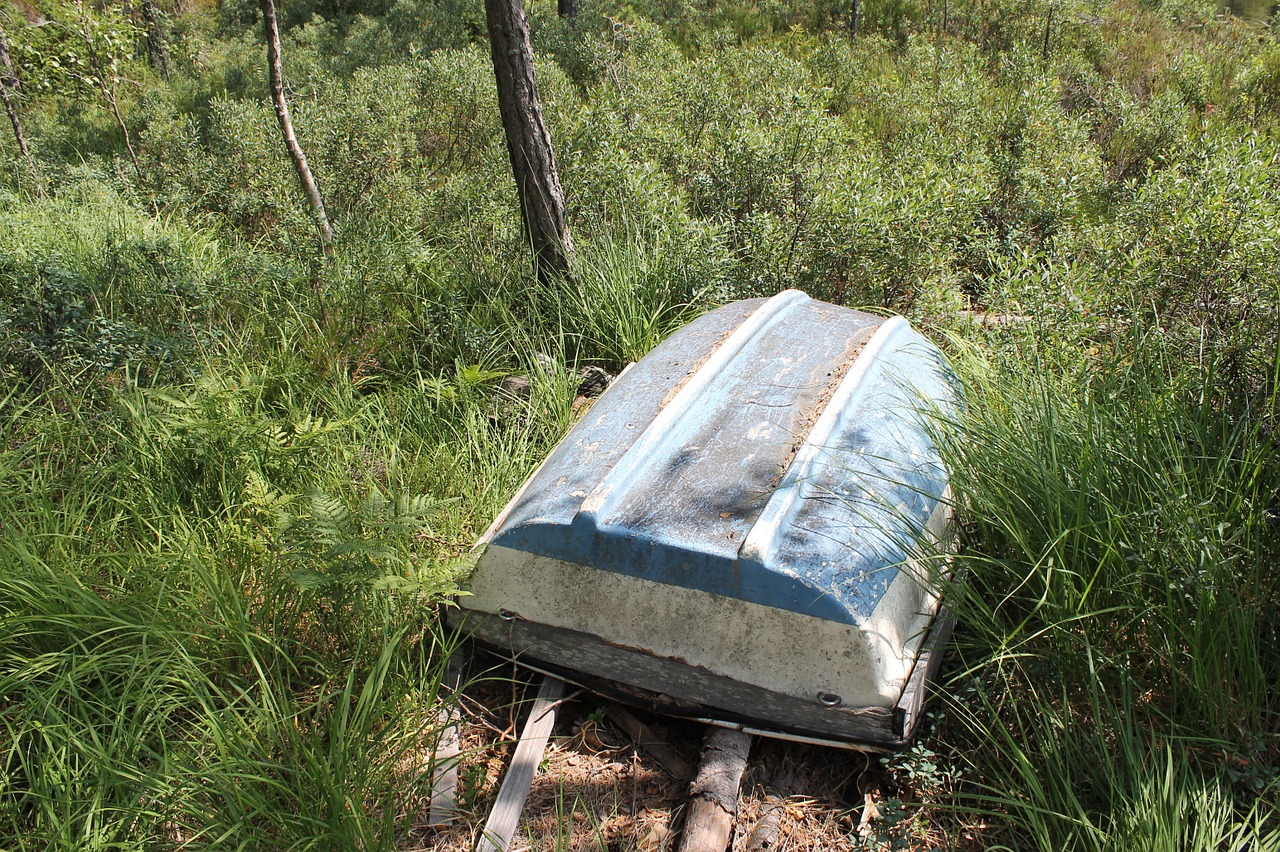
[
  {"x": 713, "y": 804},
  {"x": 446, "y": 756},
  {"x": 505, "y": 816},
  {"x": 444, "y": 782}
]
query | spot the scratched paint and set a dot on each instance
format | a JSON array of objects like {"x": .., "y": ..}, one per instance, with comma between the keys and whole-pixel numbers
[{"x": 751, "y": 456}]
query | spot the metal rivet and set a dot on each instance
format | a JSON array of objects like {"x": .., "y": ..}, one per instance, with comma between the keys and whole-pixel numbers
[{"x": 830, "y": 699}]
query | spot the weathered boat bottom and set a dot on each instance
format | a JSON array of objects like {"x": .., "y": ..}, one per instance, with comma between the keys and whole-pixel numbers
[
  {"x": 654, "y": 682},
  {"x": 750, "y": 527}
]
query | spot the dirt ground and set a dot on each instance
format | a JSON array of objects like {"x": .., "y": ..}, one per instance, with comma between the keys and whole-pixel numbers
[{"x": 597, "y": 789}]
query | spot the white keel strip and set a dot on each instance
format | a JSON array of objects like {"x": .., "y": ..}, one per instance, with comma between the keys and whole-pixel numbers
[
  {"x": 690, "y": 399},
  {"x": 786, "y": 499}
]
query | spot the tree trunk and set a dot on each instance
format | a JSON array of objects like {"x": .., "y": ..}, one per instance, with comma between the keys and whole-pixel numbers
[
  {"x": 1048, "y": 30},
  {"x": 275, "y": 75},
  {"x": 10, "y": 89},
  {"x": 855, "y": 9},
  {"x": 533, "y": 164},
  {"x": 106, "y": 78},
  {"x": 109, "y": 95},
  {"x": 567, "y": 9},
  {"x": 157, "y": 52}
]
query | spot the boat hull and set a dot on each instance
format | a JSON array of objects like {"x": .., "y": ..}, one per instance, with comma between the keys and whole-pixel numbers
[{"x": 749, "y": 527}]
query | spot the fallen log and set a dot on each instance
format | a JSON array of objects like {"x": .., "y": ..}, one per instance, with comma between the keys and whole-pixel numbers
[{"x": 713, "y": 795}]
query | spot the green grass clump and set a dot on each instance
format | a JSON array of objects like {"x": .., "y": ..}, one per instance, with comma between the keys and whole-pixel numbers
[
  {"x": 217, "y": 607},
  {"x": 168, "y": 713},
  {"x": 1119, "y": 620}
]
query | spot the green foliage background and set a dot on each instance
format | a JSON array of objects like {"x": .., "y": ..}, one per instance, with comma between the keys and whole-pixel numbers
[{"x": 237, "y": 477}]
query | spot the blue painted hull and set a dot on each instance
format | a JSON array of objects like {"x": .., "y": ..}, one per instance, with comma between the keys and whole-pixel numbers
[{"x": 758, "y": 500}]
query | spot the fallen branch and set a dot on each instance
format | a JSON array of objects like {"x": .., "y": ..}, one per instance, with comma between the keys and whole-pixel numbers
[
  {"x": 769, "y": 827},
  {"x": 645, "y": 739},
  {"x": 713, "y": 804}
]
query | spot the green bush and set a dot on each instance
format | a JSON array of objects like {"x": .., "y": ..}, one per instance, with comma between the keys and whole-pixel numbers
[
  {"x": 90, "y": 283},
  {"x": 1259, "y": 86},
  {"x": 1192, "y": 251}
]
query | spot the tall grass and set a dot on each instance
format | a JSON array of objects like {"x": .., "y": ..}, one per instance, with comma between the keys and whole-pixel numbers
[
  {"x": 217, "y": 598},
  {"x": 139, "y": 717},
  {"x": 626, "y": 296},
  {"x": 1119, "y": 638}
]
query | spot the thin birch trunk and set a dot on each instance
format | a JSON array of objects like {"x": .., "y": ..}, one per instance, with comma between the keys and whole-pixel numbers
[
  {"x": 109, "y": 95},
  {"x": 108, "y": 90},
  {"x": 275, "y": 75},
  {"x": 10, "y": 91}
]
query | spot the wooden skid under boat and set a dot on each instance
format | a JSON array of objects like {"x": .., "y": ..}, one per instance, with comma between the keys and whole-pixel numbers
[{"x": 747, "y": 527}]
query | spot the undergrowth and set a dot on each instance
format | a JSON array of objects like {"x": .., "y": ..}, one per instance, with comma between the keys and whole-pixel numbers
[
  {"x": 1119, "y": 634},
  {"x": 238, "y": 477}
]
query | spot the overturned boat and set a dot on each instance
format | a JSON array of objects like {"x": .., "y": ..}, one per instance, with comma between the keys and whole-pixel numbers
[{"x": 749, "y": 527}]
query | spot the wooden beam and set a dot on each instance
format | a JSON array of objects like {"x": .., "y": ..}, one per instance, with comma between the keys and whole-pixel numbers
[
  {"x": 445, "y": 757},
  {"x": 505, "y": 815},
  {"x": 444, "y": 783}
]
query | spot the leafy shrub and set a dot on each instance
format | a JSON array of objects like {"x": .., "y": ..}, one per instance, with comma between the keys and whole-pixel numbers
[
  {"x": 87, "y": 282},
  {"x": 1193, "y": 251},
  {"x": 1259, "y": 86},
  {"x": 1137, "y": 137},
  {"x": 408, "y": 29}
]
